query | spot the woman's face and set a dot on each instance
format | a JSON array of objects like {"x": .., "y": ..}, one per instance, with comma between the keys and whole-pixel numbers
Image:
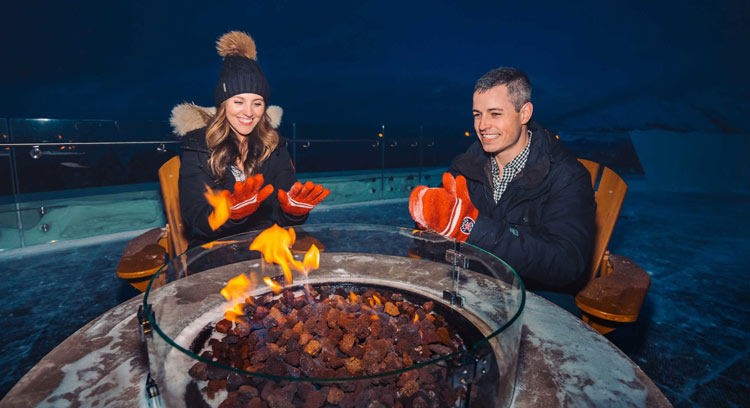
[{"x": 244, "y": 111}]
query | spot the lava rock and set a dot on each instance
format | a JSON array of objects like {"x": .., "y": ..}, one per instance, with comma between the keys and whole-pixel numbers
[
  {"x": 223, "y": 326},
  {"x": 335, "y": 395},
  {"x": 216, "y": 373},
  {"x": 248, "y": 391},
  {"x": 199, "y": 371}
]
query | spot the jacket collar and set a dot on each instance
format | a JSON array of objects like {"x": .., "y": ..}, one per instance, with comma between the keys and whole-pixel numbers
[
  {"x": 189, "y": 122},
  {"x": 539, "y": 161},
  {"x": 474, "y": 163},
  {"x": 187, "y": 117},
  {"x": 195, "y": 141}
]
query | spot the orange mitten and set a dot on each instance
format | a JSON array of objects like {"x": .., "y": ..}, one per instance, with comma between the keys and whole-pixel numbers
[
  {"x": 302, "y": 198},
  {"x": 446, "y": 210},
  {"x": 247, "y": 196}
]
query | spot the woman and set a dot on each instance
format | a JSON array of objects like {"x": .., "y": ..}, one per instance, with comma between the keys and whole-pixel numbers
[{"x": 235, "y": 153}]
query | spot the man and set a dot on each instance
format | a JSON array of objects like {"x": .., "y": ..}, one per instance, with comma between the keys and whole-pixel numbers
[{"x": 519, "y": 193}]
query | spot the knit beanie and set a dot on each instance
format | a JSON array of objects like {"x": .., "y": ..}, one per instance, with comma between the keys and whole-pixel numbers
[{"x": 240, "y": 72}]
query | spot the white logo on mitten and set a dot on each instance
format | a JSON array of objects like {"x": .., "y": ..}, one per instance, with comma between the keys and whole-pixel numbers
[{"x": 466, "y": 225}]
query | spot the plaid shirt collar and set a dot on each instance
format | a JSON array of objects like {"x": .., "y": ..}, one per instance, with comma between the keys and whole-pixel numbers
[{"x": 510, "y": 170}]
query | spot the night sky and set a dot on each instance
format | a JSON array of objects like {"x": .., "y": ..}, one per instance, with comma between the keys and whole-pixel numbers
[{"x": 593, "y": 64}]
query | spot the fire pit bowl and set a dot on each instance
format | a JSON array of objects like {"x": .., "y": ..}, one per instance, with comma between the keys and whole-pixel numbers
[{"x": 470, "y": 298}]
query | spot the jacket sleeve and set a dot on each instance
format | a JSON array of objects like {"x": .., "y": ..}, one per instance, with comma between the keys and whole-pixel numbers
[
  {"x": 193, "y": 204},
  {"x": 284, "y": 177},
  {"x": 554, "y": 254}
]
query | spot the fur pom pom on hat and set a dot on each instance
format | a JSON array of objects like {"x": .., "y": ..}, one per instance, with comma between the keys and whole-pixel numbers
[
  {"x": 237, "y": 43},
  {"x": 240, "y": 72}
]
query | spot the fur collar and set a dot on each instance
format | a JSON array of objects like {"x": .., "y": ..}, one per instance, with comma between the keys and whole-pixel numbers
[{"x": 187, "y": 117}]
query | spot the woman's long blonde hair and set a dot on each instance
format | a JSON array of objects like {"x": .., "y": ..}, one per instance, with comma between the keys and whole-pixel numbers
[{"x": 224, "y": 150}]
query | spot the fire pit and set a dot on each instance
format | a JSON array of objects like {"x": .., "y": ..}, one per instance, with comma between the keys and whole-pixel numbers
[{"x": 451, "y": 312}]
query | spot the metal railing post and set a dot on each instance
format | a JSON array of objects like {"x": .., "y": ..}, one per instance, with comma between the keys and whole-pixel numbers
[
  {"x": 382, "y": 162},
  {"x": 421, "y": 152},
  {"x": 294, "y": 145}
]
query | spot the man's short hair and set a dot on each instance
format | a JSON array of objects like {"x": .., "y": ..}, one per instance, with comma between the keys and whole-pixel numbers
[{"x": 519, "y": 86}]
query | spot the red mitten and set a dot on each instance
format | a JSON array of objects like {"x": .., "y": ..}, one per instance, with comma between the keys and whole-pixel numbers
[
  {"x": 446, "y": 210},
  {"x": 247, "y": 196},
  {"x": 302, "y": 198}
]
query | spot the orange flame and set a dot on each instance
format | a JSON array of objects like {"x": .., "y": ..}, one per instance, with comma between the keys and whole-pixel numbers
[
  {"x": 220, "y": 203},
  {"x": 372, "y": 304},
  {"x": 213, "y": 244},
  {"x": 312, "y": 259},
  {"x": 377, "y": 300},
  {"x": 235, "y": 292},
  {"x": 234, "y": 313},
  {"x": 352, "y": 296},
  {"x": 275, "y": 287},
  {"x": 236, "y": 288},
  {"x": 416, "y": 318},
  {"x": 274, "y": 244},
  {"x": 374, "y": 317}
]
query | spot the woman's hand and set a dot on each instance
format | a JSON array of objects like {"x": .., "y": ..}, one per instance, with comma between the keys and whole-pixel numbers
[
  {"x": 301, "y": 199},
  {"x": 247, "y": 196}
]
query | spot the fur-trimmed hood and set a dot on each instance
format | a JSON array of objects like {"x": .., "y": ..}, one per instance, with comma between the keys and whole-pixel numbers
[{"x": 187, "y": 117}]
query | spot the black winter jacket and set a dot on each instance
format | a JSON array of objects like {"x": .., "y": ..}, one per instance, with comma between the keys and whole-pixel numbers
[
  {"x": 543, "y": 226},
  {"x": 277, "y": 170}
]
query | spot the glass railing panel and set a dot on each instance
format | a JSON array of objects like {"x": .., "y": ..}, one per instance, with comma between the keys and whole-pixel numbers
[
  {"x": 6, "y": 166},
  {"x": 144, "y": 131},
  {"x": 402, "y": 161},
  {"x": 441, "y": 144},
  {"x": 352, "y": 170},
  {"x": 323, "y": 148},
  {"x": 92, "y": 212},
  {"x": 9, "y": 234},
  {"x": 143, "y": 161},
  {"x": 315, "y": 156},
  {"x": 61, "y": 130},
  {"x": 84, "y": 155},
  {"x": 402, "y": 147},
  {"x": 76, "y": 179}
]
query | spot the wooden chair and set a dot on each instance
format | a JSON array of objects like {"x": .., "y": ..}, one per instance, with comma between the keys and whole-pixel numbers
[
  {"x": 617, "y": 286},
  {"x": 148, "y": 252},
  {"x": 143, "y": 256},
  {"x": 169, "y": 175}
]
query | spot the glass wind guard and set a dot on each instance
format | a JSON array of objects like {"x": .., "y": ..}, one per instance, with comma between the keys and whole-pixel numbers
[{"x": 396, "y": 277}]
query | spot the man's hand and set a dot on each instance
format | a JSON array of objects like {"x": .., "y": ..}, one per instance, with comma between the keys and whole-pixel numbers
[
  {"x": 247, "y": 196},
  {"x": 446, "y": 210},
  {"x": 302, "y": 198}
]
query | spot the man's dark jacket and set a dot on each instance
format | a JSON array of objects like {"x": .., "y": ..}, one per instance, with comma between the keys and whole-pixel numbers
[
  {"x": 543, "y": 226},
  {"x": 277, "y": 170}
]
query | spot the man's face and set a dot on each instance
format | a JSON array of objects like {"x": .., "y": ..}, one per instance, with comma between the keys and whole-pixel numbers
[{"x": 498, "y": 125}]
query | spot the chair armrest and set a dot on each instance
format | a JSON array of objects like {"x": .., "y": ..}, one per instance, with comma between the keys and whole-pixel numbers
[
  {"x": 617, "y": 296},
  {"x": 143, "y": 255},
  {"x": 304, "y": 241}
]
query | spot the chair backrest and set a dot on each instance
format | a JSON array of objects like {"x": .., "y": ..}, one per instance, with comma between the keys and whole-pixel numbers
[
  {"x": 609, "y": 197},
  {"x": 593, "y": 168},
  {"x": 169, "y": 175}
]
